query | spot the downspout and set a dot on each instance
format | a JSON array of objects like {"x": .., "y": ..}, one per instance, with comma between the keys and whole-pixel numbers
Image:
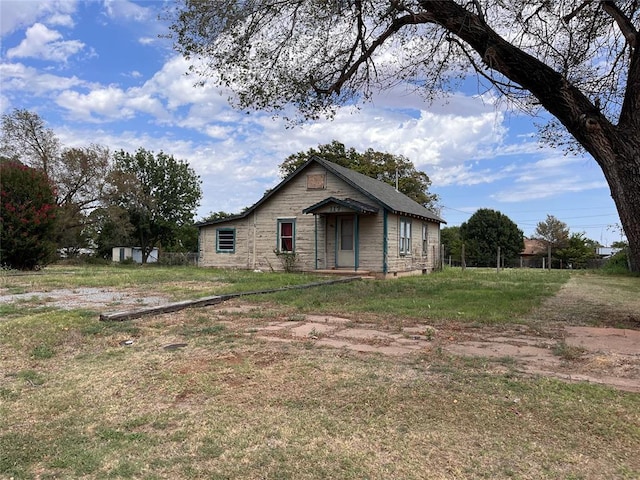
[
  {"x": 315, "y": 228},
  {"x": 385, "y": 243}
]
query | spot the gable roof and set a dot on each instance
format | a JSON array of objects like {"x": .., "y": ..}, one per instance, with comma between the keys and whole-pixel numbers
[
  {"x": 381, "y": 193},
  {"x": 348, "y": 203}
]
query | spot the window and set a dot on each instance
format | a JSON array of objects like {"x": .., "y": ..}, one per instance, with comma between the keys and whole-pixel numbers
[
  {"x": 225, "y": 240},
  {"x": 286, "y": 235},
  {"x": 425, "y": 242},
  {"x": 405, "y": 236}
]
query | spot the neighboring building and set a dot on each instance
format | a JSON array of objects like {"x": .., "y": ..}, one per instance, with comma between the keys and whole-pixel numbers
[
  {"x": 120, "y": 254},
  {"x": 533, "y": 253},
  {"x": 607, "y": 252},
  {"x": 327, "y": 217}
]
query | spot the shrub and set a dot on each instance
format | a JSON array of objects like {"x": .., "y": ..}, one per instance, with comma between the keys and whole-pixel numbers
[
  {"x": 27, "y": 216},
  {"x": 618, "y": 263}
]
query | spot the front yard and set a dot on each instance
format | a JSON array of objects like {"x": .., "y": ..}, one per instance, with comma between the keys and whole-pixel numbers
[{"x": 241, "y": 390}]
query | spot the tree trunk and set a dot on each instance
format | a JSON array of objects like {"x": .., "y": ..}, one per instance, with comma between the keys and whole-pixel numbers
[
  {"x": 622, "y": 171},
  {"x": 616, "y": 148}
]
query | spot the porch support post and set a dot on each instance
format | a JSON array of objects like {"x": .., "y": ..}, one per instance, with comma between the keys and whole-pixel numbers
[
  {"x": 336, "y": 219},
  {"x": 356, "y": 246},
  {"x": 315, "y": 232}
]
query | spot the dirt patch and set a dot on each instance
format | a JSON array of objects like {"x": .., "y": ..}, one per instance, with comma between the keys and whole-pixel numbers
[
  {"x": 606, "y": 356},
  {"x": 571, "y": 336},
  {"x": 86, "y": 298},
  {"x": 551, "y": 341}
]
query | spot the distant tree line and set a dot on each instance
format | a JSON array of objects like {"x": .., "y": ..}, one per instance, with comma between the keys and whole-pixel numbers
[
  {"x": 64, "y": 200},
  {"x": 476, "y": 242}
]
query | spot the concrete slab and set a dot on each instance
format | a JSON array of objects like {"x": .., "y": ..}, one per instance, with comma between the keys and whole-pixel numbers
[{"x": 307, "y": 330}]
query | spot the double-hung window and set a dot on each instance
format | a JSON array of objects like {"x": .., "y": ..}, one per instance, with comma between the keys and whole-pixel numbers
[
  {"x": 286, "y": 235},
  {"x": 405, "y": 236},
  {"x": 225, "y": 240}
]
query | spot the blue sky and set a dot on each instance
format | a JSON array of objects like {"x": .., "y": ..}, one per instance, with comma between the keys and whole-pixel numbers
[{"x": 100, "y": 72}]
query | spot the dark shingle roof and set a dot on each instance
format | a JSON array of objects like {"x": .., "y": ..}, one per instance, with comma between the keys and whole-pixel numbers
[
  {"x": 350, "y": 203},
  {"x": 381, "y": 193}
]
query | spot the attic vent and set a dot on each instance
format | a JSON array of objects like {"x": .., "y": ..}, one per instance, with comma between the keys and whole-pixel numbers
[{"x": 316, "y": 181}]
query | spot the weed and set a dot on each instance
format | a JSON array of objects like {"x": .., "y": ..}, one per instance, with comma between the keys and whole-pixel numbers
[
  {"x": 250, "y": 409},
  {"x": 32, "y": 377},
  {"x": 429, "y": 333},
  {"x": 42, "y": 352},
  {"x": 8, "y": 394},
  {"x": 567, "y": 352}
]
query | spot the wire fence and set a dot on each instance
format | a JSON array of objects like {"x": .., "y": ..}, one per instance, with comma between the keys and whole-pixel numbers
[{"x": 178, "y": 258}]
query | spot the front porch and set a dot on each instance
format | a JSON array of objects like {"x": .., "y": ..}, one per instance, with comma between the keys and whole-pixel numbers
[{"x": 337, "y": 234}]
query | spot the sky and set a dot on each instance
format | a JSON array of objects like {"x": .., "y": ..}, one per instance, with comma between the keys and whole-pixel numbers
[{"x": 103, "y": 72}]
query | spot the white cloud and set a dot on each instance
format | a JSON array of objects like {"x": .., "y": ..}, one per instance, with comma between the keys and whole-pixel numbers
[
  {"x": 546, "y": 188},
  {"x": 5, "y": 103},
  {"x": 20, "y": 78},
  {"x": 41, "y": 42},
  {"x": 106, "y": 102},
  {"x": 178, "y": 88},
  {"x": 20, "y": 13},
  {"x": 61, "y": 20},
  {"x": 125, "y": 10}
]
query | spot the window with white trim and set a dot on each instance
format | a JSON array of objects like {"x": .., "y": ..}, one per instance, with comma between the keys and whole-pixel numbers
[
  {"x": 225, "y": 240},
  {"x": 405, "y": 236},
  {"x": 286, "y": 235}
]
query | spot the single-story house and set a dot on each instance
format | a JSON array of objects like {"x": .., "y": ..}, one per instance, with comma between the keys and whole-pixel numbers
[
  {"x": 534, "y": 251},
  {"x": 326, "y": 217},
  {"x": 120, "y": 254}
]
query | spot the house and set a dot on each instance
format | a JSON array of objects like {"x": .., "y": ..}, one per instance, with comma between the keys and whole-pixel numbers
[
  {"x": 607, "y": 252},
  {"x": 533, "y": 253},
  {"x": 326, "y": 217},
  {"x": 120, "y": 254}
]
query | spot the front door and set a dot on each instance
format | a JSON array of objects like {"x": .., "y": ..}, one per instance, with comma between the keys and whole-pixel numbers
[{"x": 345, "y": 245}]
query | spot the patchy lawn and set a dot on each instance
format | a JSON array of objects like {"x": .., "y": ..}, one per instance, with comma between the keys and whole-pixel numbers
[{"x": 249, "y": 389}]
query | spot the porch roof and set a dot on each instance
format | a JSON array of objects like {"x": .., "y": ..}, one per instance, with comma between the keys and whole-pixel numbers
[{"x": 348, "y": 203}]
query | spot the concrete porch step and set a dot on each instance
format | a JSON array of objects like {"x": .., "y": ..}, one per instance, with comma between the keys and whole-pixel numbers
[{"x": 344, "y": 272}]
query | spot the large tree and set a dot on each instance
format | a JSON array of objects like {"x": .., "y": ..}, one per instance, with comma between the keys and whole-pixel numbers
[
  {"x": 552, "y": 232},
  {"x": 578, "y": 251},
  {"x": 484, "y": 232},
  {"x": 27, "y": 216},
  {"x": 160, "y": 195},
  {"x": 381, "y": 166},
  {"x": 25, "y": 137},
  {"x": 577, "y": 59},
  {"x": 79, "y": 174},
  {"x": 452, "y": 241}
]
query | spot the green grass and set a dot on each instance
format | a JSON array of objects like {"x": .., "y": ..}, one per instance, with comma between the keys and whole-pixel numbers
[
  {"x": 75, "y": 402},
  {"x": 180, "y": 282},
  {"x": 470, "y": 295}
]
